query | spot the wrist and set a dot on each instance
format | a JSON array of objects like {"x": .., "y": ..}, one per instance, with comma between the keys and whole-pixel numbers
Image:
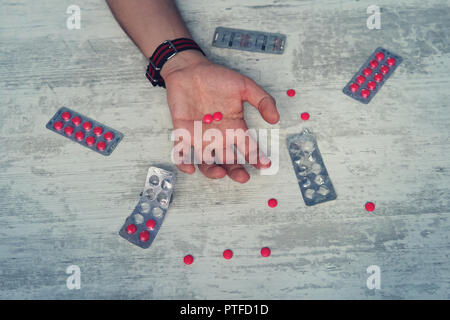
[{"x": 181, "y": 61}]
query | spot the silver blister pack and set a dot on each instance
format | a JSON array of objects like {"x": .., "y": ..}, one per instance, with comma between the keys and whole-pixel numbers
[
  {"x": 312, "y": 176},
  {"x": 142, "y": 226},
  {"x": 249, "y": 40}
]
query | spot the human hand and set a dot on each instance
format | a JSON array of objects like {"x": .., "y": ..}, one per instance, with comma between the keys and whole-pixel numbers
[{"x": 196, "y": 87}]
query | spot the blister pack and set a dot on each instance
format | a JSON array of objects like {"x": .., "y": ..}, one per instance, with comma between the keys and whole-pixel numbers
[
  {"x": 85, "y": 131},
  {"x": 372, "y": 75},
  {"x": 142, "y": 226},
  {"x": 249, "y": 40},
  {"x": 312, "y": 176}
]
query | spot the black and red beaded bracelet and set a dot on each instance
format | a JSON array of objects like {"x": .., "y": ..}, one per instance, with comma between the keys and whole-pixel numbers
[{"x": 164, "y": 52}]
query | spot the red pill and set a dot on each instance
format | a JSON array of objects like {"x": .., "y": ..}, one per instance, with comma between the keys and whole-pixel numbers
[
  {"x": 79, "y": 135},
  {"x": 367, "y": 71},
  {"x": 371, "y": 85},
  {"x": 90, "y": 141},
  {"x": 378, "y": 77},
  {"x": 188, "y": 259},
  {"x": 217, "y": 116},
  {"x": 66, "y": 116},
  {"x": 373, "y": 64},
  {"x": 272, "y": 203},
  {"x": 384, "y": 69},
  {"x": 304, "y": 116},
  {"x": 76, "y": 121},
  {"x": 87, "y": 126},
  {"x": 265, "y": 252},
  {"x": 379, "y": 56},
  {"x": 58, "y": 125},
  {"x": 144, "y": 236},
  {"x": 370, "y": 206},
  {"x": 109, "y": 136},
  {"x": 151, "y": 224},
  {"x": 207, "y": 118},
  {"x": 228, "y": 254},
  {"x": 360, "y": 79},
  {"x": 68, "y": 130},
  {"x": 290, "y": 92},
  {"x": 354, "y": 87},
  {"x": 131, "y": 229},
  {"x": 98, "y": 131},
  {"x": 101, "y": 145},
  {"x": 390, "y": 61},
  {"x": 365, "y": 93}
]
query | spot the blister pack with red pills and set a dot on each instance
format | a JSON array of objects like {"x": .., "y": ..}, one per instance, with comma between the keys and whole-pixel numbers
[
  {"x": 372, "y": 75},
  {"x": 142, "y": 226},
  {"x": 85, "y": 131}
]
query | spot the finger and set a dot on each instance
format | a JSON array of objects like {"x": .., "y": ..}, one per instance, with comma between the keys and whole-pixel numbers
[
  {"x": 249, "y": 148},
  {"x": 261, "y": 100},
  {"x": 186, "y": 168},
  {"x": 237, "y": 172},
  {"x": 182, "y": 160},
  {"x": 212, "y": 171}
]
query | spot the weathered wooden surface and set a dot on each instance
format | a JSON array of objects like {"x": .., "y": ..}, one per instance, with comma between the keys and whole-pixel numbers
[{"x": 62, "y": 205}]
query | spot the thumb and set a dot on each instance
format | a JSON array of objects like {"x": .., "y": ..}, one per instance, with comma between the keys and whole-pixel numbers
[{"x": 261, "y": 100}]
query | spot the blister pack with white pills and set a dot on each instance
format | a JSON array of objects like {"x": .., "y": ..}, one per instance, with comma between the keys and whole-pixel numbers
[
  {"x": 142, "y": 226},
  {"x": 315, "y": 184}
]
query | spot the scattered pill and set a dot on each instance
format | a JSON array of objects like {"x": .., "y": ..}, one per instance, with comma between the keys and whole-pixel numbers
[
  {"x": 101, "y": 145},
  {"x": 109, "y": 136},
  {"x": 144, "y": 236},
  {"x": 66, "y": 116},
  {"x": 378, "y": 77},
  {"x": 228, "y": 254},
  {"x": 207, "y": 118},
  {"x": 290, "y": 92},
  {"x": 98, "y": 131},
  {"x": 151, "y": 223},
  {"x": 379, "y": 56},
  {"x": 58, "y": 125},
  {"x": 365, "y": 93},
  {"x": 90, "y": 141},
  {"x": 367, "y": 72},
  {"x": 373, "y": 64},
  {"x": 188, "y": 259},
  {"x": 370, "y": 206},
  {"x": 384, "y": 69},
  {"x": 390, "y": 61},
  {"x": 131, "y": 229},
  {"x": 217, "y": 116},
  {"x": 265, "y": 252},
  {"x": 371, "y": 85},
  {"x": 68, "y": 130},
  {"x": 304, "y": 116},
  {"x": 354, "y": 87},
  {"x": 360, "y": 79},
  {"x": 79, "y": 135},
  {"x": 87, "y": 125},
  {"x": 272, "y": 203},
  {"x": 76, "y": 121}
]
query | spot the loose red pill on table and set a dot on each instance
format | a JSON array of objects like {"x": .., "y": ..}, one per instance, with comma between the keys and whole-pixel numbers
[
  {"x": 354, "y": 87},
  {"x": 272, "y": 203},
  {"x": 79, "y": 135},
  {"x": 304, "y": 116},
  {"x": 101, "y": 145},
  {"x": 131, "y": 229},
  {"x": 98, "y": 131},
  {"x": 373, "y": 64},
  {"x": 365, "y": 93},
  {"x": 390, "y": 61},
  {"x": 384, "y": 69},
  {"x": 144, "y": 236},
  {"x": 290, "y": 92},
  {"x": 378, "y": 77},
  {"x": 207, "y": 118},
  {"x": 371, "y": 85},
  {"x": 58, "y": 125},
  {"x": 151, "y": 224},
  {"x": 76, "y": 121},
  {"x": 370, "y": 206},
  {"x": 87, "y": 126},
  {"x": 188, "y": 259},
  {"x": 360, "y": 79},
  {"x": 68, "y": 130},
  {"x": 217, "y": 116},
  {"x": 228, "y": 254},
  {"x": 265, "y": 252},
  {"x": 109, "y": 136},
  {"x": 367, "y": 71},
  {"x": 379, "y": 56},
  {"x": 90, "y": 141},
  {"x": 66, "y": 116}
]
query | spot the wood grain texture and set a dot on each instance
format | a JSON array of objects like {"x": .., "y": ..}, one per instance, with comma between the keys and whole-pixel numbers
[{"x": 62, "y": 205}]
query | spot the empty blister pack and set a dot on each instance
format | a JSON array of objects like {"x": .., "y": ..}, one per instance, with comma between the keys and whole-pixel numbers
[
  {"x": 312, "y": 176},
  {"x": 249, "y": 40},
  {"x": 372, "y": 75},
  {"x": 142, "y": 226},
  {"x": 85, "y": 131}
]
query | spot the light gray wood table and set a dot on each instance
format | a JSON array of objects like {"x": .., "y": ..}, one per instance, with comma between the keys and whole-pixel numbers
[{"x": 62, "y": 205}]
